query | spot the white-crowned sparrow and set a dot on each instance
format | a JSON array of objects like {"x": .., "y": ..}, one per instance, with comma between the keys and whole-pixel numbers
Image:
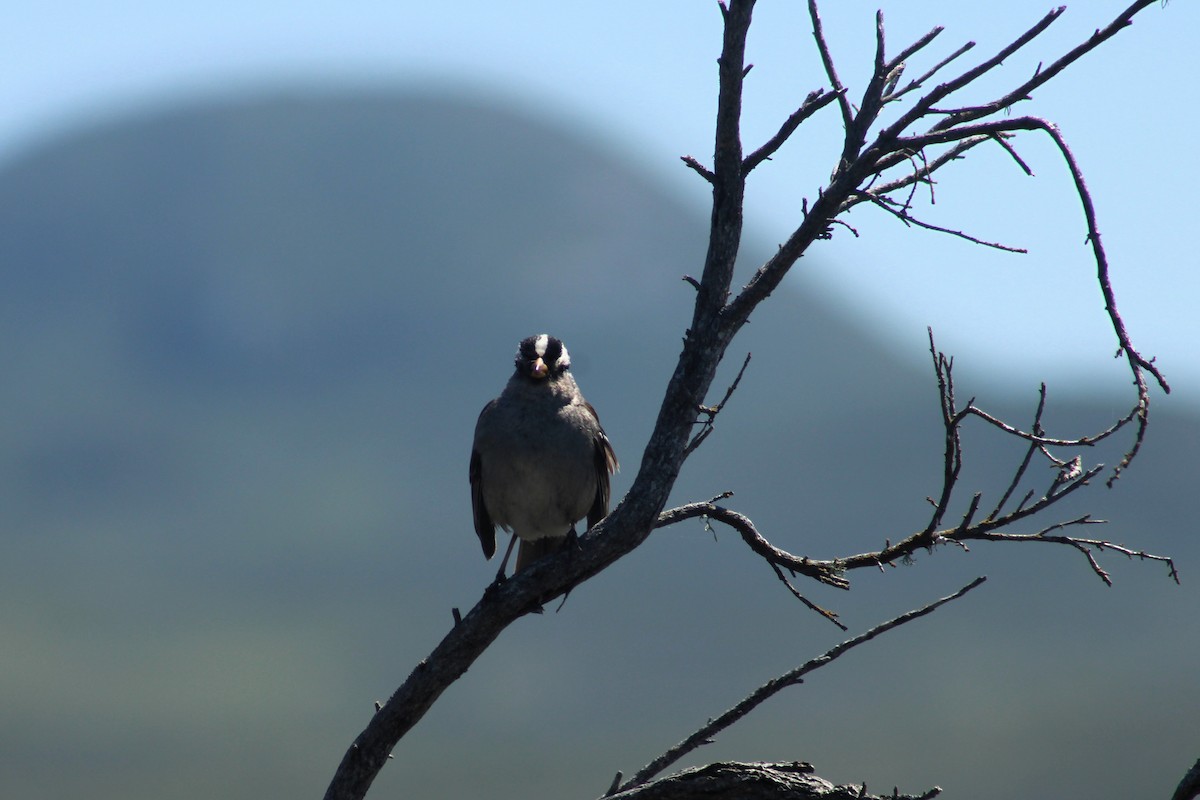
[{"x": 540, "y": 461}]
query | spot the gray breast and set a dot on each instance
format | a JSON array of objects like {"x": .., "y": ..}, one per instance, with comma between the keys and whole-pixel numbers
[{"x": 538, "y": 466}]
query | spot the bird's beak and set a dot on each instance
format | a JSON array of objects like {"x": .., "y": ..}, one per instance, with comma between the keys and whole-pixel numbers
[{"x": 539, "y": 369}]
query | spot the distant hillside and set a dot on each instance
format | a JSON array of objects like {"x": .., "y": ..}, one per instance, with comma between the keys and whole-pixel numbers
[{"x": 245, "y": 344}]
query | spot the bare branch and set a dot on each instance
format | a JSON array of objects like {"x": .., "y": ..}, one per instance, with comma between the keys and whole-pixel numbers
[
  {"x": 913, "y": 49},
  {"x": 711, "y": 412},
  {"x": 917, "y": 83},
  {"x": 987, "y": 530},
  {"x": 1024, "y": 465},
  {"x": 825, "y": 573},
  {"x": 1070, "y": 478},
  {"x": 1137, "y": 363},
  {"x": 812, "y": 104},
  {"x": 1043, "y": 75},
  {"x": 793, "y": 677},
  {"x": 1082, "y": 441},
  {"x": 1189, "y": 787},
  {"x": 698, "y": 168},
  {"x": 891, "y": 147},
  {"x": 731, "y": 780},
  {"x": 952, "y": 455},
  {"x": 920, "y": 175},
  {"x": 900, "y": 212},
  {"x": 927, "y": 103},
  {"x": 824, "y": 612},
  {"x": 1002, "y": 140},
  {"x": 1084, "y": 546},
  {"x": 839, "y": 89}
]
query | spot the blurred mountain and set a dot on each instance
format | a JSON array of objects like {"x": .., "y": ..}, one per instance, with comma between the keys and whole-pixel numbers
[{"x": 245, "y": 343}]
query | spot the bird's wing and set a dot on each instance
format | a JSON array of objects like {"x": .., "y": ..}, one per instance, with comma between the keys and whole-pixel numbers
[
  {"x": 484, "y": 527},
  {"x": 606, "y": 464}
]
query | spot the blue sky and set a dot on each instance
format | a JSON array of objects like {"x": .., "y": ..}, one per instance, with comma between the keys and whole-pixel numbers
[{"x": 641, "y": 79}]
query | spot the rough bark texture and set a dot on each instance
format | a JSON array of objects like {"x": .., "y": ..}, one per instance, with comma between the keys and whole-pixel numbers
[{"x": 733, "y": 780}]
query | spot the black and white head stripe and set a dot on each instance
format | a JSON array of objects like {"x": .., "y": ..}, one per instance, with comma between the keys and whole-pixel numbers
[{"x": 544, "y": 346}]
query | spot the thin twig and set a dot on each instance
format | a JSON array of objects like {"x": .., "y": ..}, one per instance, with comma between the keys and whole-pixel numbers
[
  {"x": 824, "y": 612},
  {"x": 902, "y": 214},
  {"x": 914, "y": 48},
  {"x": 922, "y": 175},
  {"x": 918, "y": 82},
  {"x": 825, "y": 573},
  {"x": 709, "y": 424},
  {"x": 1084, "y": 546},
  {"x": 1047, "y": 73},
  {"x": 812, "y": 104},
  {"x": 939, "y": 93},
  {"x": 1002, "y": 140},
  {"x": 1029, "y": 451},
  {"x": 952, "y": 455},
  {"x": 698, "y": 168},
  {"x": 1082, "y": 441},
  {"x": 772, "y": 687},
  {"x": 839, "y": 89}
]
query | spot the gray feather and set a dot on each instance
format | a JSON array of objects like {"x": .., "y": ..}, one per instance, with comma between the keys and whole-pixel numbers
[{"x": 540, "y": 463}]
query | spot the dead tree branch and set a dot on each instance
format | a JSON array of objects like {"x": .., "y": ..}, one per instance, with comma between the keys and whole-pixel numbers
[
  {"x": 1189, "y": 787},
  {"x": 812, "y": 104},
  {"x": 708, "y": 424},
  {"x": 1070, "y": 477},
  {"x": 777, "y": 559},
  {"x": 900, "y": 212},
  {"x": 959, "y": 129},
  {"x": 883, "y": 156},
  {"x": 704, "y": 735},
  {"x": 732, "y": 780}
]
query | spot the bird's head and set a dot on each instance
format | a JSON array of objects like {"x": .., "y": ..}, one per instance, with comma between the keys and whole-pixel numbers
[{"x": 542, "y": 357}]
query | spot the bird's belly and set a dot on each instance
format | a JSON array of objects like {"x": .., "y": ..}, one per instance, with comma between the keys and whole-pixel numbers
[{"x": 548, "y": 503}]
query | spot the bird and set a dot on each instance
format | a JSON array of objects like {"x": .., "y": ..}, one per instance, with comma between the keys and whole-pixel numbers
[{"x": 540, "y": 460}]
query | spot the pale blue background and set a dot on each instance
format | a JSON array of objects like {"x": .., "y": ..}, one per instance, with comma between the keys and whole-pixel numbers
[{"x": 642, "y": 79}]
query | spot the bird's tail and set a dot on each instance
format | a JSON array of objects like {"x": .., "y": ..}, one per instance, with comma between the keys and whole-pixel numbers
[{"x": 530, "y": 551}]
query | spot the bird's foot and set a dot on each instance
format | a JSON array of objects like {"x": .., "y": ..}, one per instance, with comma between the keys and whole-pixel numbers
[
  {"x": 498, "y": 581},
  {"x": 572, "y": 539}
]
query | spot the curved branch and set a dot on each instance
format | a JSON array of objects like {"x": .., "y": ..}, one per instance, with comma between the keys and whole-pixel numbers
[
  {"x": 1138, "y": 364},
  {"x": 823, "y": 572}
]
